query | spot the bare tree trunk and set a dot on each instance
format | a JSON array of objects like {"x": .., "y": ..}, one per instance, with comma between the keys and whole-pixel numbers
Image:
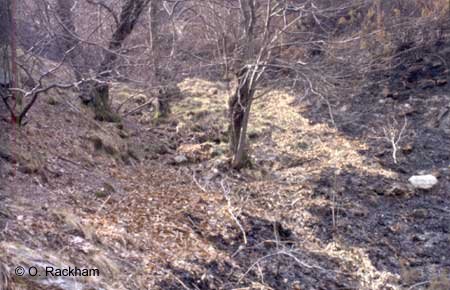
[
  {"x": 5, "y": 38},
  {"x": 131, "y": 10},
  {"x": 240, "y": 102},
  {"x": 8, "y": 57},
  {"x": 5, "y": 58},
  {"x": 239, "y": 112}
]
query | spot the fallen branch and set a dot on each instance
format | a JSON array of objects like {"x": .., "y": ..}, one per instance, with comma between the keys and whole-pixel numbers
[{"x": 139, "y": 108}]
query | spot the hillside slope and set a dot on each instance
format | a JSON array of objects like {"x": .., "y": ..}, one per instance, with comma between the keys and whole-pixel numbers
[{"x": 151, "y": 204}]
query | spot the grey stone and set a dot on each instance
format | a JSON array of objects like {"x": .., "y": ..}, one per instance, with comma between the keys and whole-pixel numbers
[{"x": 426, "y": 181}]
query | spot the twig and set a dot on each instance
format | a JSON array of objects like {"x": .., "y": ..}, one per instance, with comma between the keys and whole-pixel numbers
[
  {"x": 198, "y": 183},
  {"x": 103, "y": 205},
  {"x": 418, "y": 284},
  {"x": 230, "y": 211},
  {"x": 391, "y": 136}
]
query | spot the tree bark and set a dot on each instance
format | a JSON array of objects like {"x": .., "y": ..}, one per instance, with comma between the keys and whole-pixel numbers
[
  {"x": 5, "y": 38},
  {"x": 239, "y": 112},
  {"x": 240, "y": 102},
  {"x": 131, "y": 10}
]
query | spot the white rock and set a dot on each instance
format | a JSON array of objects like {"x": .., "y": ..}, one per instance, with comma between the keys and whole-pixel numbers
[
  {"x": 180, "y": 159},
  {"x": 423, "y": 181}
]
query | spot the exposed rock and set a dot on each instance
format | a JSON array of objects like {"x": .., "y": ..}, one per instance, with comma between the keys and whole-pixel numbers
[
  {"x": 179, "y": 159},
  {"x": 427, "y": 181}
]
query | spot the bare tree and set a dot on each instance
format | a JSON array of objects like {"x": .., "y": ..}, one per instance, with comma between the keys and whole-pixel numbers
[
  {"x": 256, "y": 55},
  {"x": 130, "y": 13},
  {"x": 240, "y": 102}
]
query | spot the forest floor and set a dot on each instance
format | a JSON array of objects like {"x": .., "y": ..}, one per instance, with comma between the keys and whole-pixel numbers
[{"x": 152, "y": 205}]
